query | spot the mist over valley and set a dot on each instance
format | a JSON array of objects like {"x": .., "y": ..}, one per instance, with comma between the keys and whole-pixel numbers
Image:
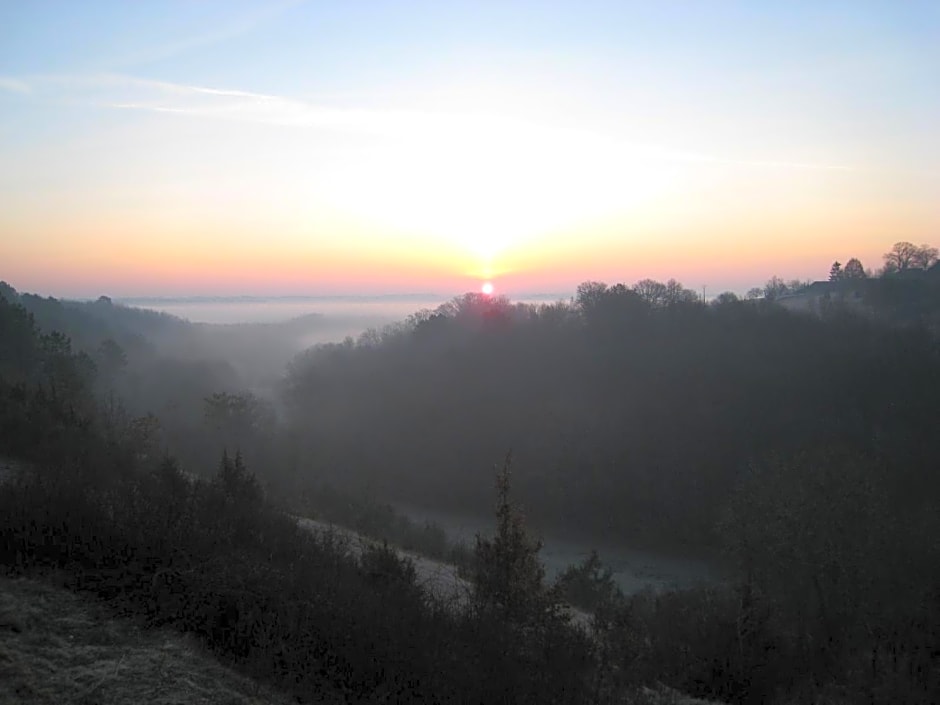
[{"x": 515, "y": 353}]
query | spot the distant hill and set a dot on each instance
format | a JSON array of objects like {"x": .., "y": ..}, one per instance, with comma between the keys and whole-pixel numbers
[{"x": 89, "y": 323}]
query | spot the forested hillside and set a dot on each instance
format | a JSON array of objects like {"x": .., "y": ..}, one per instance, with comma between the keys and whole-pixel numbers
[
  {"x": 619, "y": 471},
  {"x": 802, "y": 447},
  {"x": 627, "y": 416},
  {"x": 90, "y": 507}
]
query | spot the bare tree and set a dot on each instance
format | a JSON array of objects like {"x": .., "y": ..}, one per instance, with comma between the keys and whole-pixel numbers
[
  {"x": 774, "y": 288},
  {"x": 676, "y": 294},
  {"x": 652, "y": 291},
  {"x": 725, "y": 298},
  {"x": 590, "y": 294},
  {"x": 925, "y": 257},
  {"x": 755, "y": 293},
  {"x": 902, "y": 256}
]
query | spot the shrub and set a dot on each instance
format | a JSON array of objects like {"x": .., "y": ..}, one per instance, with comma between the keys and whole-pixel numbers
[{"x": 590, "y": 585}]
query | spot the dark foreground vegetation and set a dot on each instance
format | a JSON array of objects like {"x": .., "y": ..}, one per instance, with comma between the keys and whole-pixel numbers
[
  {"x": 802, "y": 447},
  {"x": 380, "y": 521},
  {"x": 59, "y": 647},
  {"x": 216, "y": 560}
]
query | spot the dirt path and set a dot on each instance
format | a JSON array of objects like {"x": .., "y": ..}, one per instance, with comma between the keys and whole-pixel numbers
[{"x": 438, "y": 579}]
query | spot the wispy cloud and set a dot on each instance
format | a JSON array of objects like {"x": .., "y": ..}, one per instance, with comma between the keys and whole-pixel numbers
[
  {"x": 14, "y": 85},
  {"x": 217, "y": 103},
  {"x": 137, "y": 94},
  {"x": 200, "y": 101},
  {"x": 231, "y": 29}
]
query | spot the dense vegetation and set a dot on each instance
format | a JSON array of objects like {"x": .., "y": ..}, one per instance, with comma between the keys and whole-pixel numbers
[
  {"x": 628, "y": 416},
  {"x": 802, "y": 447},
  {"x": 215, "y": 559},
  {"x": 58, "y": 646}
]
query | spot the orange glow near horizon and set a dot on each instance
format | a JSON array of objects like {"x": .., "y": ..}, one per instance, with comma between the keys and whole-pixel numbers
[
  {"x": 411, "y": 221},
  {"x": 227, "y": 259},
  {"x": 435, "y": 161}
]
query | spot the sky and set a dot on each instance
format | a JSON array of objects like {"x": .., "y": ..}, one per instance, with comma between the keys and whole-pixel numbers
[{"x": 284, "y": 148}]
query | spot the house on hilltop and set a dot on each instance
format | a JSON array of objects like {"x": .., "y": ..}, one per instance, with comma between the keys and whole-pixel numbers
[{"x": 819, "y": 294}]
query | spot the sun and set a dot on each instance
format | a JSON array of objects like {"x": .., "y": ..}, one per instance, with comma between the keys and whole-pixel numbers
[
  {"x": 487, "y": 288},
  {"x": 505, "y": 187}
]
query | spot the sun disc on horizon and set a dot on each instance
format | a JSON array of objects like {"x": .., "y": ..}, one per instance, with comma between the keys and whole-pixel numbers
[{"x": 487, "y": 288}]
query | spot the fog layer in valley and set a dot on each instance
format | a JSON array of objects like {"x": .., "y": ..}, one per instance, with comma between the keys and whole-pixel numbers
[{"x": 742, "y": 492}]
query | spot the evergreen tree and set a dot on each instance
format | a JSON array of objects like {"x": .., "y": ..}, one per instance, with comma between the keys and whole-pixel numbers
[{"x": 510, "y": 579}]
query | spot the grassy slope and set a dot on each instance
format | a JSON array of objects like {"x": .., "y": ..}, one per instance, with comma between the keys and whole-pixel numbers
[{"x": 57, "y": 647}]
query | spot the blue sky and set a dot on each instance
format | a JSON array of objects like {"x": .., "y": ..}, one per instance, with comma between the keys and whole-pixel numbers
[{"x": 810, "y": 112}]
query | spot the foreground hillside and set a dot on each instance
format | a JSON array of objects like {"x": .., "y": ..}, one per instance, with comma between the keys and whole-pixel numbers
[
  {"x": 57, "y": 647},
  {"x": 835, "y": 601}
]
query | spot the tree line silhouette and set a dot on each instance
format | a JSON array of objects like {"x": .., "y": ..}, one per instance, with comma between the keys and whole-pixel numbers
[{"x": 802, "y": 449}]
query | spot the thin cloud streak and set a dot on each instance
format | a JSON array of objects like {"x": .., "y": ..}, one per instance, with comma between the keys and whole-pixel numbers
[
  {"x": 14, "y": 85},
  {"x": 283, "y": 112},
  {"x": 232, "y": 30},
  {"x": 138, "y": 94}
]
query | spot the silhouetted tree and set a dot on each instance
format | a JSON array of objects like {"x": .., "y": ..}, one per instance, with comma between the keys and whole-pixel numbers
[
  {"x": 775, "y": 288},
  {"x": 590, "y": 585},
  {"x": 726, "y": 298},
  {"x": 835, "y": 271},
  {"x": 905, "y": 255},
  {"x": 509, "y": 579},
  {"x": 854, "y": 270},
  {"x": 755, "y": 292},
  {"x": 653, "y": 292},
  {"x": 676, "y": 294},
  {"x": 589, "y": 295},
  {"x": 794, "y": 286},
  {"x": 925, "y": 257}
]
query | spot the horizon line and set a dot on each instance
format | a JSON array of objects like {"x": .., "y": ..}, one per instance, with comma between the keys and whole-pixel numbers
[{"x": 249, "y": 298}]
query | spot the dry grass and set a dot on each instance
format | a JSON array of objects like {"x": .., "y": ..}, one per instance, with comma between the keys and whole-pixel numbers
[
  {"x": 59, "y": 648},
  {"x": 437, "y": 578}
]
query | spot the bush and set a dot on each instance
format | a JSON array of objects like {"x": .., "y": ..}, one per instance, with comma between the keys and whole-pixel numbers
[
  {"x": 383, "y": 523},
  {"x": 590, "y": 585}
]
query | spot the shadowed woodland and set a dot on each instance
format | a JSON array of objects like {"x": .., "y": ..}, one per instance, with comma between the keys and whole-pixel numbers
[{"x": 798, "y": 449}]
